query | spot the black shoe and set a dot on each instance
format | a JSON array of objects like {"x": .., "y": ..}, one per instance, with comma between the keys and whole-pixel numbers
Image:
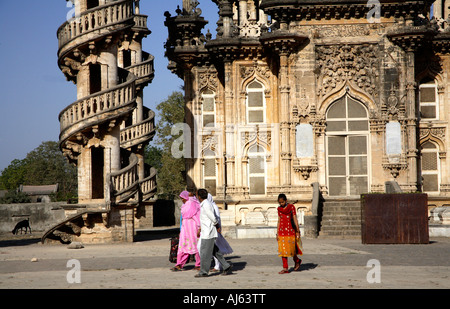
[
  {"x": 228, "y": 270},
  {"x": 201, "y": 276}
]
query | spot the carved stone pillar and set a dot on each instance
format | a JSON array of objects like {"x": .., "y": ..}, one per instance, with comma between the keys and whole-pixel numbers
[
  {"x": 190, "y": 121},
  {"x": 284, "y": 119},
  {"x": 229, "y": 124},
  {"x": 411, "y": 120},
  {"x": 242, "y": 12},
  {"x": 137, "y": 7}
]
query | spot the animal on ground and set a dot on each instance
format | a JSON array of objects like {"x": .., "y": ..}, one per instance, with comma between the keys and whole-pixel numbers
[{"x": 21, "y": 225}]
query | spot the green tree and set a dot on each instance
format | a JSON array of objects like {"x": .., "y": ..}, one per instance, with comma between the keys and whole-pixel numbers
[
  {"x": 45, "y": 165},
  {"x": 170, "y": 177},
  {"x": 13, "y": 175},
  {"x": 13, "y": 197}
]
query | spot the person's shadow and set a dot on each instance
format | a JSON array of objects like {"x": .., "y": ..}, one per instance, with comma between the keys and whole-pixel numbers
[{"x": 306, "y": 266}]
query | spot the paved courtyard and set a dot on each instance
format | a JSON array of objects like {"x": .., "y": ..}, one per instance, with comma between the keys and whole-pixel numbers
[{"x": 327, "y": 263}]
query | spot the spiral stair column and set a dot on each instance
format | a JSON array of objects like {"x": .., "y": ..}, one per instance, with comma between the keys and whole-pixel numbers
[{"x": 106, "y": 130}]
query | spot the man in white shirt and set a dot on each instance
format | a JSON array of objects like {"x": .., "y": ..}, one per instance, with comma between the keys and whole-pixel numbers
[{"x": 208, "y": 235}]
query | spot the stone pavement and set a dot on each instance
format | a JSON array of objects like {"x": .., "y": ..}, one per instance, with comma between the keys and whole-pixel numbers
[{"x": 327, "y": 263}]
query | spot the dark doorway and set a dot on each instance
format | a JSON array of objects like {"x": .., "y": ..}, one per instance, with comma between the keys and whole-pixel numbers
[
  {"x": 126, "y": 54},
  {"x": 92, "y": 4},
  {"x": 95, "y": 78},
  {"x": 97, "y": 163}
]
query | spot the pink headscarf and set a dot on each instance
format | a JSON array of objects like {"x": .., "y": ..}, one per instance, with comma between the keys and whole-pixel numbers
[{"x": 184, "y": 195}]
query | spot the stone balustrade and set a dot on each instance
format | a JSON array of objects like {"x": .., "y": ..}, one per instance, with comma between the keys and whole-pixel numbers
[
  {"x": 148, "y": 185},
  {"x": 140, "y": 21},
  {"x": 144, "y": 69},
  {"x": 96, "y": 104},
  {"x": 137, "y": 131},
  {"x": 125, "y": 182},
  {"x": 95, "y": 19}
]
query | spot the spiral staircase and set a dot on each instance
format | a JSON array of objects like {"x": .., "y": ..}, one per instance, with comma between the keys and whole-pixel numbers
[{"x": 106, "y": 130}]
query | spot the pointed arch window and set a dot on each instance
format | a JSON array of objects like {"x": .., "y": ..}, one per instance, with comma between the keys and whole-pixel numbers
[
  {"x": 430, "y": 167},
  {"x": 208, "y": 109},
  {"x": 428, "y": 99},
  {"x": 257, "y": 170},
  {"x": 255, "y": 103},
  {"x": 347, "y": 145}
]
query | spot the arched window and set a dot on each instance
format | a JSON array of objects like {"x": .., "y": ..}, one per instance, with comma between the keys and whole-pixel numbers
[
  {"x": 210, "y": 171},
  {"x": 347, "y": 141},
  {"x": 428, "y": 99},
  {"x": 255, "y": 103},
  {"x": 257, "y": 170},
  {"x": 208, "y": 109},
  {"x": 430, "y": 167}
]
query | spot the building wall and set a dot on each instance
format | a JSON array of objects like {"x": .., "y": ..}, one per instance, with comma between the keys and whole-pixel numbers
[
  {"x": 42, "y": 215},
  {"x": 374, "y": 65}
]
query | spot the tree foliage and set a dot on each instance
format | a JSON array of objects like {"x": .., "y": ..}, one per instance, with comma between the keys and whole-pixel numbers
[
  {"x": 170, "y": 177},
  {"x": 45, "y": 165}
]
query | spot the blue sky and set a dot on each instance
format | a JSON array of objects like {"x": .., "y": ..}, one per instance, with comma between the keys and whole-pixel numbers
[{"x": 33, "y": 90}]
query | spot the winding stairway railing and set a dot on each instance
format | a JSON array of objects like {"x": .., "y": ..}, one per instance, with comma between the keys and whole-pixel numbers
[
  {"x": 138, "y": 133},
  {"x": 98, "y": 107},
  {"x": 95, "y": 23},
  {"x": 148, "y": 185},
  {"x": 125, "y": 183},
  {"x": 144, "y": 71}
]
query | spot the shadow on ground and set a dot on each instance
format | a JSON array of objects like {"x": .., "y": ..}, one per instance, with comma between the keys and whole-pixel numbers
[
  {"x": 146, "y": 235},
  {"x": 10, "y": 240}
]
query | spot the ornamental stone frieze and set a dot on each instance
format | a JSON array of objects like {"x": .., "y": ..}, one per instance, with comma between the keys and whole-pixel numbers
[
  {"x": 210, "y": 142},
  {"x": 208, "y": 79},
  {"x": 248, "y": 137},
  {"x": 337, "y": 65},
  {"x": 260, "y": 71},
  {"x": 437, "y": 132}
]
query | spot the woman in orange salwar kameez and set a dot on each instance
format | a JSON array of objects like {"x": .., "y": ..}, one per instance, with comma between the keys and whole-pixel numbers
[{"x": 288, "y": 234}]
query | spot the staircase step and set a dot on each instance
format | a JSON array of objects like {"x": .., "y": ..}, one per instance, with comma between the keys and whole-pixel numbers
[{"x": 341, "y": 218}]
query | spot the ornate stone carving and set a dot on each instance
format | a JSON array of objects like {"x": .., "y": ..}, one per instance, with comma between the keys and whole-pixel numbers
[
  {"x": 258, "y": 136},
  {"x": 208, "y": 79},
  {"x": 305, "y": 166},
  {"x": 209, "y": 141},
  {"x": 355, "y": 64},
  {"x": 395, "y": 164},
  {"x": 302, "y": 109},
  {"x": 340, "y": 31},
  {"x": 261, "y": 71},
  {"x": 438, "y": 132},
  {"x": 392, "y": 106}
]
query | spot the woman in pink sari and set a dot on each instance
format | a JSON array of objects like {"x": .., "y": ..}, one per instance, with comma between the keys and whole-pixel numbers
[{"x": 190, "y": 214}]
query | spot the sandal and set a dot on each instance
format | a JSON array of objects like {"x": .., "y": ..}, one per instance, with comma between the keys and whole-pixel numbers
[
  {"x": 297, "y": 265},
  {"x": 284, "y": 271},
  {"x": 176, "y": 268}
]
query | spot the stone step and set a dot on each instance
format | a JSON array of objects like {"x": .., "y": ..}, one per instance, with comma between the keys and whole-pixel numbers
[
  {"x": 342, "y": 203},
  {"x": 340, "y": 235},
  {"x": 341, "y": 219},
  {"x": 341, "y": 228},
  {"x": 341, "y": 223},
  {"x": 342, "y": 213},
  {"x": 341, "y": 208}
]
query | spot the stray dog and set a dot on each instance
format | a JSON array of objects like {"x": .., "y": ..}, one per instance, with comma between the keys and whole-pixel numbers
[{"x": 22, "y": 224}]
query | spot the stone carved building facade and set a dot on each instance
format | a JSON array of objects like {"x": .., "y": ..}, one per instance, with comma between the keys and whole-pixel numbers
[
  {"x": 104, "y": 132},
  {"x": 346, "y": 94}
]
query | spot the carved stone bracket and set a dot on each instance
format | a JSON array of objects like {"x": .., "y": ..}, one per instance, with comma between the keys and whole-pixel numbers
[
  {"x": 395, "y": 164},
  {"x": 305, "y": 167}
]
